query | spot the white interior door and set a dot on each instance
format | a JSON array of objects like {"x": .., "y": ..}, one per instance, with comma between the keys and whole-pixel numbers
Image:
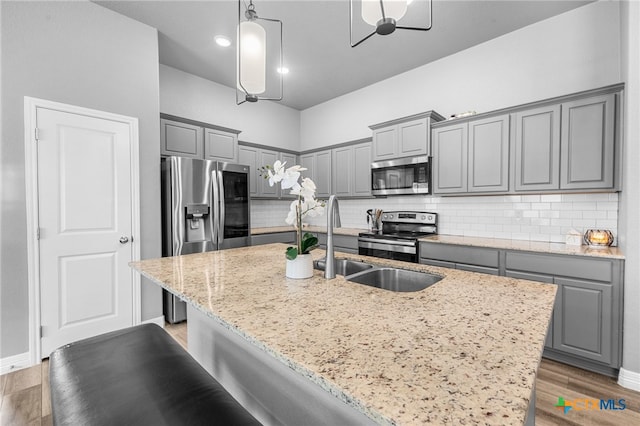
[{"x": 85, "y": 226}]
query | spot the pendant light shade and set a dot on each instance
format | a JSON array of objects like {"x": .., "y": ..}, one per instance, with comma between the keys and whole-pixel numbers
[
  {"x": 258, "y": 56},
  {"x": 383, "y": 17},
  {"x": 253, "y": 57}
]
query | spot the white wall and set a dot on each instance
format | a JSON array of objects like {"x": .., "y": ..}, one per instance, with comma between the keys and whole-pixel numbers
[
  {"x": 575, "y": 51},
  {"x": 82, "y": 54},
  {"x": 630, "y": 196},
  {"x": 264, "y": 122}
]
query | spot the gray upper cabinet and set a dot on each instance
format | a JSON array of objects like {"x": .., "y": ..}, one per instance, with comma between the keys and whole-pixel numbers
[
  {"x": 318, "y": 165},
  {"x": 489, "y": 155},
  {"x": 569, "y": 143},
  {"x": 450, "y": 159},
  {"x": 256, "y": 158},
  {"x": 362, "y": 170},
  {"x": 385, "y": 143},
  {"x": 352, "y": 170},
  {"x": 472, "y": 157},
  {"x": 193, "y": 139},
  {"x": 220, "y": 146},
  {"x": 587, "y": 148},
  {"x": 291, "y": 160},
  {"x": 342, "y": 171},
  {"x": 404, "y": 137},
  {"x": 180, "y": 139},
  {"x": 537, "y": 149}
]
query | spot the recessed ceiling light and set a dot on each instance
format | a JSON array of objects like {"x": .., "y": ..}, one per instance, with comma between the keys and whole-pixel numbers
[
  {"x": 222, "y": 41},
  {"x": 283, "y": 70}
]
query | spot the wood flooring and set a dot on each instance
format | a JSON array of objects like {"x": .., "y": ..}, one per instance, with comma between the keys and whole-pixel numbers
[{"x": 26, "y": 400}]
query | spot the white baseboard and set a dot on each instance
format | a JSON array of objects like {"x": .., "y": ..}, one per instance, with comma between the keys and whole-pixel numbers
[
  {"x": 629, "y": 379},
  {"x": 15, "y": 362},
  {"x": 157, "y": 320}
]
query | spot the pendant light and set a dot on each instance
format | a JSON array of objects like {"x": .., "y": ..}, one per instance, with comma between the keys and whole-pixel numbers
[
  {"x": 370, "y": 17},
  {"x": 258, "y": 56}
]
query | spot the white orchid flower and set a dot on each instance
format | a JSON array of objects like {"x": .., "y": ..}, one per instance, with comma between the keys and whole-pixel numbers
[
  {"x": 307, "y": 190},
  {"x": 278, "y": 173},
  {"x": 291, "y": 217}
]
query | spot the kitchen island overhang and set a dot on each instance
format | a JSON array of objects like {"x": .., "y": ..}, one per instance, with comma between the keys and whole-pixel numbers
[{"x": 464, "y": 349}]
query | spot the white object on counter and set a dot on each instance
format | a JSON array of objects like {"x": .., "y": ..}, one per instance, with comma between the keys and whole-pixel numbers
[{"x": 573, "y": 238}]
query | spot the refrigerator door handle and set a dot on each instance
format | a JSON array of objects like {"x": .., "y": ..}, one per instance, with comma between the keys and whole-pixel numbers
[
  {"x": 221, "y": 219},
  {"x": 215, "y": 205}
]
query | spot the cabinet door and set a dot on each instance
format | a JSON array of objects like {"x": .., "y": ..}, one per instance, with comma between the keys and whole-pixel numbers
[
  {"x": 342, "y": 171},
  {"x": 537, "y": 149},
  {"x": 308, "y": 162},
  {"x": 180, "y": 139},
  {"x": 264, "y": 190},
  {"x": 220, "y": 146},
  {"x": 548, "y": 342},
  {"x": 322, "y": 173},
  {"x": 450, "y": 159},
  {"x": 587, "y": 143},
  {"x": 489, "y": 155},
  {"x": 362, "y": 170},
  {"x": 385, "y": 143},
  {"x": 413, "y": 138},
  {"x": 249, "y": 157},
  {"x": 291, "y": 160},
  {"x": 583, "y": 319}
]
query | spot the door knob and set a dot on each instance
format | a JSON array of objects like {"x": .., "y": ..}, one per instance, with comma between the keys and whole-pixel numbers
[{"x": 124, "y": 240}]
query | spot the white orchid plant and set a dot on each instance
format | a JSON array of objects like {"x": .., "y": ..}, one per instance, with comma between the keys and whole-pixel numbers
[{"x": 306, "y": 203}]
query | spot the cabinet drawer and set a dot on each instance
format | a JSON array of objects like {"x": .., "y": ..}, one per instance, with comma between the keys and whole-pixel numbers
[
  {"x": 577, "y": 267},
  {"x": 480, "y": 269},
  {"x": 460, "y": 254},
  {"x": 279, "y": 237},
  {"x": 344, "y": 243}
]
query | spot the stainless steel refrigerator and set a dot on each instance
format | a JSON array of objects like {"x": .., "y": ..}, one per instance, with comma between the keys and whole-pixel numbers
[{"x": 205, "y": 208}]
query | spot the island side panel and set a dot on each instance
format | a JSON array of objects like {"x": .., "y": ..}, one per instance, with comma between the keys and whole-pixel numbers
[{"x": 272, "y": 392}]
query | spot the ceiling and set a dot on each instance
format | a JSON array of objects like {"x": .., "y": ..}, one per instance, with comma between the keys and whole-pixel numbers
[{"x": 316, "y": 39}]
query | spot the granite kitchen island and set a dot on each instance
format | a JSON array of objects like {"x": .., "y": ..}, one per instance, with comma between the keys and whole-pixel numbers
[{"x": 463, "y": 351}]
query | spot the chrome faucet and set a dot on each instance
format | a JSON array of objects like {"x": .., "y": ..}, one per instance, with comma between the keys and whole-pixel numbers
[{"x": 333, "y": 219}]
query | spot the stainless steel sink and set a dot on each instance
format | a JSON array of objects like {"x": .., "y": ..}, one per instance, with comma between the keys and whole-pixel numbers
[
  {"x": 392, "y": 279},
  {"x": 344, "y": 266}
]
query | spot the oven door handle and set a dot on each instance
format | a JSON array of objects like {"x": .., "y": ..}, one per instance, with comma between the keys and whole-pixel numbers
[{"x": 392, "y": 242}]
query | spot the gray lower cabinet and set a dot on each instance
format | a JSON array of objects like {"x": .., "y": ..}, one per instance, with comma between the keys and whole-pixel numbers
[
  {"x": 472, "y": 259},
  {"x": 276, "y": 237},
  {"x": 587, "y": 317},
  {"x": 343, "y": 243},
  {"x": 586, "y": 327}
]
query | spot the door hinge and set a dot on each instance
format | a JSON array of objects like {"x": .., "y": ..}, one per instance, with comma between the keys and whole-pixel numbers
[
  {"x": 37, "y": 134},
  {"x": 41, "y": 331},
  {"x": 37, "y": 233}
]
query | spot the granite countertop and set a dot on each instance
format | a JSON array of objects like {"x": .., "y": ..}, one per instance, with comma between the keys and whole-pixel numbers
[
  {"x": 535, "y": 246},
  {"x": 322, "y": 229},
  {"x": 463, "y": 351}
]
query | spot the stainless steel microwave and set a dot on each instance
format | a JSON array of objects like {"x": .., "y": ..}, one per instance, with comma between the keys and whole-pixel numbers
[{"x": 402, "y": 176}]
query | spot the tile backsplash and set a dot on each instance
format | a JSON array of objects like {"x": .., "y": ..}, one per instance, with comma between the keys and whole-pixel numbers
[{"x": 540, "y": 217}]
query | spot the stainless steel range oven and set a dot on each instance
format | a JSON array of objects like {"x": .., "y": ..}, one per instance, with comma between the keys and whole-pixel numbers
[{"x": 399, "y": 236}]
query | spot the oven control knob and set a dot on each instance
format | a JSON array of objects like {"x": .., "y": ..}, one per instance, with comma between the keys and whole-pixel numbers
[
  {"x": 423, "y": 217},
  {"x": 430, "y": 217}
]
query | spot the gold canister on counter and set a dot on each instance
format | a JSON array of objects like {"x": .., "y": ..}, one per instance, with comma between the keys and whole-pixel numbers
[{"x": 598, "y": 237}]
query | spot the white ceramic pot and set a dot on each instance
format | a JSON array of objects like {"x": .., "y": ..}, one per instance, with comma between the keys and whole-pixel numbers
[{"x": 300, "y": 267}]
